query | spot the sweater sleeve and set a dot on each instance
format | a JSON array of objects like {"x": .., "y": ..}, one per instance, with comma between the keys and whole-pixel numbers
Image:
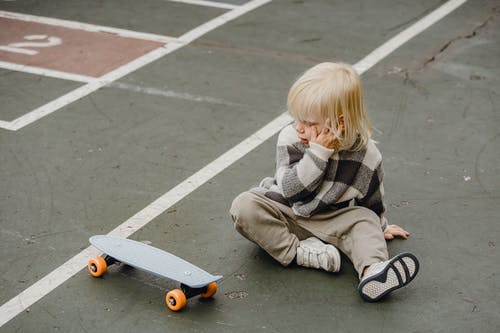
[
  {"x": 374, "y": 198},
  {"x": 299, "y": 172}
]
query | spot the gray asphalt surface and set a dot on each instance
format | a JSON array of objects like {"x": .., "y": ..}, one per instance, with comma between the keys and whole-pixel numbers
[{"x": 88, "y": 167}]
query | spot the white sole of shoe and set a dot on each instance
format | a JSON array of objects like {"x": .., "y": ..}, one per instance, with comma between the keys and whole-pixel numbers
[{"x": 398, "y": 272}]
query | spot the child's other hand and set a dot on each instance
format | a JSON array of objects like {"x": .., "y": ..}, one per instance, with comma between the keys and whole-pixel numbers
[{"x": 395, "y": 231}]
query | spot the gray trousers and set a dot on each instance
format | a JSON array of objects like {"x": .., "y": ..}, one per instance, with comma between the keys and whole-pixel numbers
[{"x": 356, "y": 231}]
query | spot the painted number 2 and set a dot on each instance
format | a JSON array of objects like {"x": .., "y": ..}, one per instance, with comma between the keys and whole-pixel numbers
[{"x": 33, "y": 41}]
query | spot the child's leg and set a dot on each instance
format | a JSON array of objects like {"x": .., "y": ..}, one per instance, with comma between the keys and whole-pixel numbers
[
  {"x": 356, "y": 231},
  {"x": 260, "y": 220}
]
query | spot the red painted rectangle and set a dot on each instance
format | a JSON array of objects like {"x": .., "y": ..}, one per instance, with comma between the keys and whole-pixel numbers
[{"x": 68, "y": 50}]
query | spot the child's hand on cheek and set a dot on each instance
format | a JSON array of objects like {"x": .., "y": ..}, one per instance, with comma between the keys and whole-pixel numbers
[{"x": 325, "y": 137}]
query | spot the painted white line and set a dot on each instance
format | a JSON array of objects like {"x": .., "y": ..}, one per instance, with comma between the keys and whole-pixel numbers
[
  {"x": 5, "y": 125},
  {"x": 220, "y": 20},
  {"x": 214, "y": 4},
  {"x": 392, "y": 44},
  {"x": 199, "y": 178},
  {"x": 46, "y": 72},
  {"x": 64, "y": 272},
  {"x": 49, "y": 282},
  {"x": 58, "y": 276},
  {"x": 169, "y": 93},
  {"x": 83, "y": 91},
  {"x": 86, "y": 27},
  {"x": 92, "y": 86}
]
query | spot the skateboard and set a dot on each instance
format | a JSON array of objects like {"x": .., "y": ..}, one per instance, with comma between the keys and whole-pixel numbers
[{"x": 193, "y": 280}]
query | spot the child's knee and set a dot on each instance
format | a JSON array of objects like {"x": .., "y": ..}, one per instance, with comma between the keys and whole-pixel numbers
[
  {"x": 243, "y": 207},
  {"x": 244, "y": 214}
]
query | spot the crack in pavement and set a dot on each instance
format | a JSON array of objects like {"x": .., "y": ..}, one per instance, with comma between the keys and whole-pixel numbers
[{"x": 472, "y": 34}]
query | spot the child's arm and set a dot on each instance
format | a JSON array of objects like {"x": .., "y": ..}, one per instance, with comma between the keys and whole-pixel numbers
[
  {"x": 374, "y": 198},
  {"x": 298, "y": 173}
]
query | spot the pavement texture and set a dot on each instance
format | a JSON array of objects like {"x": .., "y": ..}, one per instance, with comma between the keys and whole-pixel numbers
[{"x": 88, "y": 167}]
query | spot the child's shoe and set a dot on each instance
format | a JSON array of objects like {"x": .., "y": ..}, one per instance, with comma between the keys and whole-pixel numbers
[
  {"x": 384, "y": 277},
  {"x": 314, "y": 253}
]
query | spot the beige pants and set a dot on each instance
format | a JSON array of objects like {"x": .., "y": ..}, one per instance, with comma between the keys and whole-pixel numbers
[{"x": 355, "y": 231}]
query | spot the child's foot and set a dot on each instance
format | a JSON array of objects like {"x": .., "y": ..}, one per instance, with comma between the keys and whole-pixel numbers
[
  {"x": 314, "y": 253},
  {"x": 384, "y": 277}
]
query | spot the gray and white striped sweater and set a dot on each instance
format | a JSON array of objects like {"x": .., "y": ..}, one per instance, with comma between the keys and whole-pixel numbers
[{"x": 312, "y": 179}]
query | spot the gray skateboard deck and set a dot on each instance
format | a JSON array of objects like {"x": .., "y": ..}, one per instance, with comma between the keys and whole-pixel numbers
[{"x": 153, "y": 260}]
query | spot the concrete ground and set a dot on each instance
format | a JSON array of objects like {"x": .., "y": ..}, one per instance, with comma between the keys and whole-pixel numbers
[{"x": 93, "y": 164}]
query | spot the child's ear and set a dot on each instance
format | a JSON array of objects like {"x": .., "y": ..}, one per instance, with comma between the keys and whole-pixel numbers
[{"x": 341, "y": 121}]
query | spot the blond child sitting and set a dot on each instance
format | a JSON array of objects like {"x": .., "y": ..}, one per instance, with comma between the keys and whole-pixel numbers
[{"x": 327, "y": 192}]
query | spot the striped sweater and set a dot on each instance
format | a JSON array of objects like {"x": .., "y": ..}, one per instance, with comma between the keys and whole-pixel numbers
[{"x": 312, "y": 179}]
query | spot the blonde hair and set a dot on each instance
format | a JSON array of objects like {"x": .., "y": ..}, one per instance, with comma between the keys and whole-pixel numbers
[{"x": 332, "y": 91}]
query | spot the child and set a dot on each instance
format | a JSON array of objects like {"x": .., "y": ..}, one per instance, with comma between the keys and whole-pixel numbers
[{"x": 327, "y": 192}]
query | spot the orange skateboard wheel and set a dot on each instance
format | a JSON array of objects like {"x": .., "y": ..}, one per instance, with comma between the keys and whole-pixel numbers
[
  {"x": 211, "y": 290},
  {"x": 97, "y": 266},
  {"x": 176, "y": 300}
]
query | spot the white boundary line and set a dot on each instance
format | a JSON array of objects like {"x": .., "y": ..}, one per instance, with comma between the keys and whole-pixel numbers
[
  {"x": 64, "y": 272},
  {"x": 4, "y": 124},
  {"x": 77, "y": 26},
  {"x": 90, "y": 87},
  {"x": 118, "y": 73},
  {"x": 214, "y": 4},
  {"x": 46, "y": 72},
  {"x": 86, "y": 27},
  {"x": 218, "y": 21},
  {"x": 407, "y": 34}
]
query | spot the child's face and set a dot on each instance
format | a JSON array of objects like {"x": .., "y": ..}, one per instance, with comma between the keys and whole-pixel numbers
[{"x": 305, "y": 128}]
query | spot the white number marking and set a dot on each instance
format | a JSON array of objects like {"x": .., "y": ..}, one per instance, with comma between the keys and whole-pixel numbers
[{"x": 23, "y": 47}]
